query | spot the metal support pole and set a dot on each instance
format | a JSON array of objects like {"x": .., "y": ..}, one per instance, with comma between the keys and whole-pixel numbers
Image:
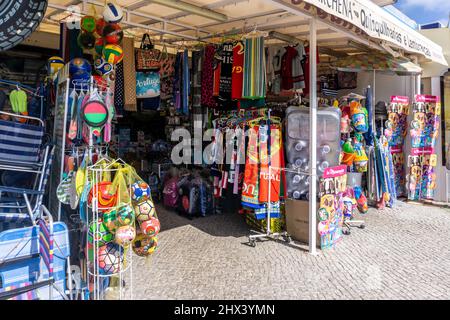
[
  {"x": 374, "y": 99},
  {"x": 418, "y": 84},
  {"x": 312, "y": 135}
]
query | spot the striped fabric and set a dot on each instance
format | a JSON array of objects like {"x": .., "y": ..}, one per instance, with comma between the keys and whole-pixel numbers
[
  {"x": 20, "y": 141},
  {"x": 30, "y": 295},
  {"x": 46, "y": 245},
  {"x": 11, "y": 218},
  {"x": 254, "y": 86},
  {"x": 17, "y": 243}
]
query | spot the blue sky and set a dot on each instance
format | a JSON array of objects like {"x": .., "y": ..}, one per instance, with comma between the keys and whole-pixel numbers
[{"x": 424, "y": 11}]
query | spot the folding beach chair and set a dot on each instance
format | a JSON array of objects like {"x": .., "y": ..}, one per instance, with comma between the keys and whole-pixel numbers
[
  {"x": 34, "y": 261},
  {"x": 25, "y": 206}
]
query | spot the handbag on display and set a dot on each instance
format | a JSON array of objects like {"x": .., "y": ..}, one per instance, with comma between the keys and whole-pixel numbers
[
  {"x": 347, "y": 80},
  {"x": 167, "y": 63},
  {"x": 147, "y": 57}
]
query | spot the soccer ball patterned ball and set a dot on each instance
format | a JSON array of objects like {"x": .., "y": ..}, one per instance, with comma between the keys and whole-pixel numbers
[
  {"x": 99, "y": 234},
  {"x": 144, "y": 210},
  {"x": 125, "y": 235},
  {"x": 140, "y": 190},
  {"x": 125, "y": 215},
  {"x": 144, "y": 245},
  {"x": 110, "y": 258},
  {"x": 151, "y": 227}
]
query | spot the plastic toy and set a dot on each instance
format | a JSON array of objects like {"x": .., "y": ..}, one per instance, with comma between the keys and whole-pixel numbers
[
  {"x": 150, "y": 227},
  {"x": 359, "y": 117},
  {"x": 113, "y": 53},
  {"x": 88, "y": 24},
  {"x": 102, "y": 67},
  {"x": 110, "y": 258},
  {"x": 125, "y": 235},
  {"x": 144, "y": 245},
  {"x": 86, "y": 40},
  {"x": 112, "y": 33},
  {"x": 348, "y": 153},
  {"x": 54, "y": 64},
  {"x": 105, "y": 200},
  {"x": 99, "y": 233},
  {"x": 99, "y": 25},
  {"x": 125, "y": 214},
  {"x": 112, "y": 13},
  {"x": 144, "y": 210},
  {"x": 140, "y": 190}
]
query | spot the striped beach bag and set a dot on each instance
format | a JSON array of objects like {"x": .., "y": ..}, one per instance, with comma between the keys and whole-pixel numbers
[{"x": 20, "y": 141}]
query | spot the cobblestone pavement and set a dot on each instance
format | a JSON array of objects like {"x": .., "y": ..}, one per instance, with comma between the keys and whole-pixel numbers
[{"x": 402, "y": 254}]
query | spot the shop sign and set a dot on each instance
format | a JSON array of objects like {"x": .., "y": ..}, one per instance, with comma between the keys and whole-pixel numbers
[{"x": 363, "y": 16}]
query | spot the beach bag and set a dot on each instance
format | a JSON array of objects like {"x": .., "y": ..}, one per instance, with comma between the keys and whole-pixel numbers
[
  {"x": 147, "y": 57},
  {"x": 167, "y": 68}
]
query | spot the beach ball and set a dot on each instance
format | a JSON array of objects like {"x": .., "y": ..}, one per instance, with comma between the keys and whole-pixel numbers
[
  {"x": 112, "y": 13},
  {"x": 144, "y": 245},
  {"x": 110, "y": 258},
  {"x": 140, "y": 190},
  {"x": 112, "y": 33},
  {"x": 125, "y": 214},
  {"x": 86, "y": 40},
  {"x": 144, "y": 210},
  {"x": 99, "y": 46},
  {"x": 151, "y": 227},
  {"x": 105, "y": 200},
  {"x": 99, "y": 233},
  {"x": 102, "y": 67},
  {"x": 110, "y": 220},
  {"x": 54, "y": 64},
  {"x": 88, "y": 24},
  {"x": 113, "y": 53},
  {"x": 99, "y": 25},
  {"x": 125, "y": 235},
  {"x": 79, "y": 65}
]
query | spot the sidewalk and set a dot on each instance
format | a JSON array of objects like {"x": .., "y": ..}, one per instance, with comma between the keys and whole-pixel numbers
[{"x": 402, "y": 254}]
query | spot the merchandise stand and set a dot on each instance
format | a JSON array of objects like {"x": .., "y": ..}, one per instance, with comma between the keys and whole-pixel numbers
[
  {"x": 123, "y": 272},
  {"x": 269, "y": 234}
]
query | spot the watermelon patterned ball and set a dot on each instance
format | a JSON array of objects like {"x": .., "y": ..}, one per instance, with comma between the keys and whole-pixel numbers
[
  {"x": 140, "y": 190},
  {"x": 99, "y": 233},
  {"x": 144, "y": 245},
  {"x": 150, "y": 227},
  {"x": 125, "y": 215},
  {"x": 144, "y": 210},
  {"x": 110, "y": 258}
]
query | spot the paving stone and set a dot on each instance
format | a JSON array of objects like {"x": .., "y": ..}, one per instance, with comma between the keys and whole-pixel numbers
[{"x": 401, "y": 254}]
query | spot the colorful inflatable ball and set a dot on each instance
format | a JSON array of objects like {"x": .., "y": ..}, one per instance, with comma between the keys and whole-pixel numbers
[
  {"x": 110, "y": 258},
  {"x": 113, "y": 53},
  {"x": 144, "y": 210},
  {"x": 140, "y": 190},
  {"x": 98, "y": 234},
  {"x": 86, "y": 40},
  {"x": 112, "y": 13},
  {"x": 144, "y": 245},
  {"x": 112, "y": 33},
  {"x": 150, "y": 227},
  {"x": 125, "y": 235},
  {"x": 88, "y": 24}
]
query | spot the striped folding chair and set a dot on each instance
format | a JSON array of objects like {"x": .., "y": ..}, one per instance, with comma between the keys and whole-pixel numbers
[
  {"x": 23, "y": 209},
  {"x": 34, "y": 261}
]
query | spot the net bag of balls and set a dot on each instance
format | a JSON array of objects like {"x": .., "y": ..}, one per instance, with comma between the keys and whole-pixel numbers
[{"x": 147, "y": 57}]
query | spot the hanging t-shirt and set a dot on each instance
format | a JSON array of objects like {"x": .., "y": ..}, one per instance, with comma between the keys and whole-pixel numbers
[
  {"x": 217, "y": 67},
  {"x": 290, "y": 58},
  {"x": 237, "y": 76},
  {"x": 226, "y": 68},
  {"x": 298, "y": 78},
  {"x": 274, "y": 59},
  {"x": 305, "y": 64}
]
